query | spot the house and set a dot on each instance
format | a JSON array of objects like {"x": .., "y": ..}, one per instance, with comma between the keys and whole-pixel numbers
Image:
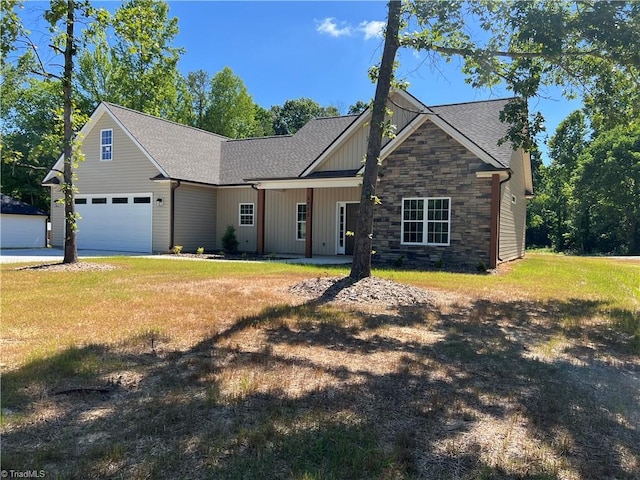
[
  {"x": 21, "y": 225},
  {"x": 450, "y": 195}
]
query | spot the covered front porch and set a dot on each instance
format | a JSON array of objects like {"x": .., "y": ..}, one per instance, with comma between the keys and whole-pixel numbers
[{"x": 307, "y": 217}]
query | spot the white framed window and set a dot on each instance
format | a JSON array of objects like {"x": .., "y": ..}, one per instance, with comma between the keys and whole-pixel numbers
[
  {"x": 106, "y": 145},
  {"x": 301, "y": 221},
  {"x": 246, "y": 215},
  {"x": 426, "y": 221}
]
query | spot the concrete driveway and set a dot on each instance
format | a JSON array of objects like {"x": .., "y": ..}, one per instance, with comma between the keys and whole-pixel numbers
[{"x": 53, "y": 255}]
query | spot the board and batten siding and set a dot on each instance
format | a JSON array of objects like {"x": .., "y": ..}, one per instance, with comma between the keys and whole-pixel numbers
[
  {"x": 349, "y": 155},
  {"x": 325, "y": 216},
  {"x": 281, "y": 215},
  {"x": 195, "y": 218},
  {"x": 513, "y": 212},
  {"x": 280, "y": 221},
  {"x": 129, "y": 172},
  {"x": 229, "y": 200}
]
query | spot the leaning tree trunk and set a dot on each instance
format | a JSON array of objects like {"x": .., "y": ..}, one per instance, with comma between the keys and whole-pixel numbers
[
  {"x": 70, "y": 244},
  {"x": 361, "y": 266}
]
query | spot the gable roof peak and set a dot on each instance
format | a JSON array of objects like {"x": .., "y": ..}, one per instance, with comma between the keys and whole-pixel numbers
[{"x": 110, "y": 106}]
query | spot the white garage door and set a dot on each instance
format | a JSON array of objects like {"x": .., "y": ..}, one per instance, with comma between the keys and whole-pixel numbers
[
  {"x": 119, "y": 222},
  {"x": 23, "y": 231}
]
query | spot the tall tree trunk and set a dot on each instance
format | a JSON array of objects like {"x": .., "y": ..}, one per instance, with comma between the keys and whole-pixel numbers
[
  {"x": 361, "y": 266},
  {"x": 70, "y": 244}
]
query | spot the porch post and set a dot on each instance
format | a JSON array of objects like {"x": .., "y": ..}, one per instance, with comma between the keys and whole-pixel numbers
[
  {"x": 495, "y": 219},
  {"x": 308, "y": 244},
  {"x": 260, "y": 225}
]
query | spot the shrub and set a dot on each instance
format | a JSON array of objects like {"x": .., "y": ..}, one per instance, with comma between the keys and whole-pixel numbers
[
  {"x": 229, "y": 240},
  {"x": 177, "y": 249},
  {"x": 200, "y": 250}
]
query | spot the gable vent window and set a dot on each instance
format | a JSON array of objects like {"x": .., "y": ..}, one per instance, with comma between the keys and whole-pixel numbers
[
  {"x": 246, "y": 215},
  {"x": 426, "y": 221},
  {"x": 106, "y": 145}
]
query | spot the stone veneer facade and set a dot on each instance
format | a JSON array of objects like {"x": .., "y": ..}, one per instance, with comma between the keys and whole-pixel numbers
[{"x": 432, "y": 164}]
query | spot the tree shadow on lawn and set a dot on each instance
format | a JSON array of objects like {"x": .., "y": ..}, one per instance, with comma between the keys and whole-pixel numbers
[{"x": 323, "y": 391}]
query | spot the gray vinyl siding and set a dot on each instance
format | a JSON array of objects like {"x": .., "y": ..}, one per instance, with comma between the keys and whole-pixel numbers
[
  {"x": 513, "y": 215},
  {"x": 228, "y": 201},
  {"x": 129, "y": 171},
  {"x": 195, "y": 218}
]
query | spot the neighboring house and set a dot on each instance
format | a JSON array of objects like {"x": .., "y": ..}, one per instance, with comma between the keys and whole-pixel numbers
[
  {"x": 21, "y": 225},
  {"x": 450, "y": 195}
]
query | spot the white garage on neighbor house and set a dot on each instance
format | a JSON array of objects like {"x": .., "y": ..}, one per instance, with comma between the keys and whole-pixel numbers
[{"x": 22, "y": 225}]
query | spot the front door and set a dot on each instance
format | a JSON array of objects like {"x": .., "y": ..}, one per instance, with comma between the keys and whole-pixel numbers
[{"x": 347, "y": 221}]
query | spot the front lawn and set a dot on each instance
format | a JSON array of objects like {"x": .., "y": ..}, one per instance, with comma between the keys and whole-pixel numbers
[{"x": 181, "y": 369}]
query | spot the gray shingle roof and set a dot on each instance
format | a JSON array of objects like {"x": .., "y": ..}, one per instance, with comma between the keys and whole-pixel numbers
[
  {"x": 183, "y": 152},
  {"x": 9, "y": 205},
  {"x": 480, "y": 123},
  {"x": 195, "y": 155},
  {"x": 280, "y": 157}
]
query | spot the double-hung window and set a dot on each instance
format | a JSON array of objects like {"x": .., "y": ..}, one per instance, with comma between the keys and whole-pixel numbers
[
  {"x": 246, "y": 215},
  {"x": 301, "y": 221},
  {"x": 106, "y": 145},
  {"x": 426, "y": 221}
]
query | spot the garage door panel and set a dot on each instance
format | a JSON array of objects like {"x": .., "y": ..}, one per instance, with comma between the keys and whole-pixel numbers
[{"x": 115, "y": 226}]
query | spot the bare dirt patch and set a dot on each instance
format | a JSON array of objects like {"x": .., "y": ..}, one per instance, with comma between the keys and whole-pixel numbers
[{"x": 329, "y": 378}]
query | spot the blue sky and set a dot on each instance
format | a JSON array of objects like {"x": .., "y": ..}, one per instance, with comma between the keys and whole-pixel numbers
[{"x": 321, "y": 50}]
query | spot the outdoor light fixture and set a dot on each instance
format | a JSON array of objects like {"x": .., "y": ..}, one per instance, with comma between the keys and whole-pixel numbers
[{"x": 159, "y": 202}]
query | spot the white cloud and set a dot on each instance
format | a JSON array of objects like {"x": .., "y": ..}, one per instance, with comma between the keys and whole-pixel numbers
[
  {"x": 372, "y": 29},
  {"x": 328, "y": 26}
]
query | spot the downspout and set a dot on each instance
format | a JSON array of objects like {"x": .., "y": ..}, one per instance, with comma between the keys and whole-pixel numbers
[
  {"x": 174, "y": 187},
  {"x": 496, "y": 195}
]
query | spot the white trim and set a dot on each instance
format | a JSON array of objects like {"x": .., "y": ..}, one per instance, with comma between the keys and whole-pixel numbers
[
  {"x": 358, "y": 123},
  {"x": 87, "y": 128},
  {"x": 425, "y": 222},
  {"x": 240, "y": 214},
  {"x": 102, "y": 145},
  {"x": 298, "y": 239},
  {"x": 307, "y": 183},
  {"x": 341, "y": 250},
  {"x": 504, "y": 174}
]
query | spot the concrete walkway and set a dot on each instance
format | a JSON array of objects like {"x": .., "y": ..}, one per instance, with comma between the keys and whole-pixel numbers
[
  {"x": 53, "y": 255},
  {"x": 37, "y": 255}
]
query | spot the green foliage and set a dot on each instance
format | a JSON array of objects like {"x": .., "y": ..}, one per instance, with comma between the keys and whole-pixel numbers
[
  {"x": 177, "y": 249},
  {"x": 199, "y": 250},
  {"x": 230, "y": 109},
  {"x": 229, "y": 241},
  {"x": 587, "y": 200},
  {"x": 590, "y": 46},
  {"x": 358, "y": 107},
  {"x": 607, "y": 193},
  {"x": 295, "y": 114},
  {"x": 139, "y": 69}
]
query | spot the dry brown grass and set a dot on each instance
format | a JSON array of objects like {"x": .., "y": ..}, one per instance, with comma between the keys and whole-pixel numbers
[{"x": 217, "y": 372}]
